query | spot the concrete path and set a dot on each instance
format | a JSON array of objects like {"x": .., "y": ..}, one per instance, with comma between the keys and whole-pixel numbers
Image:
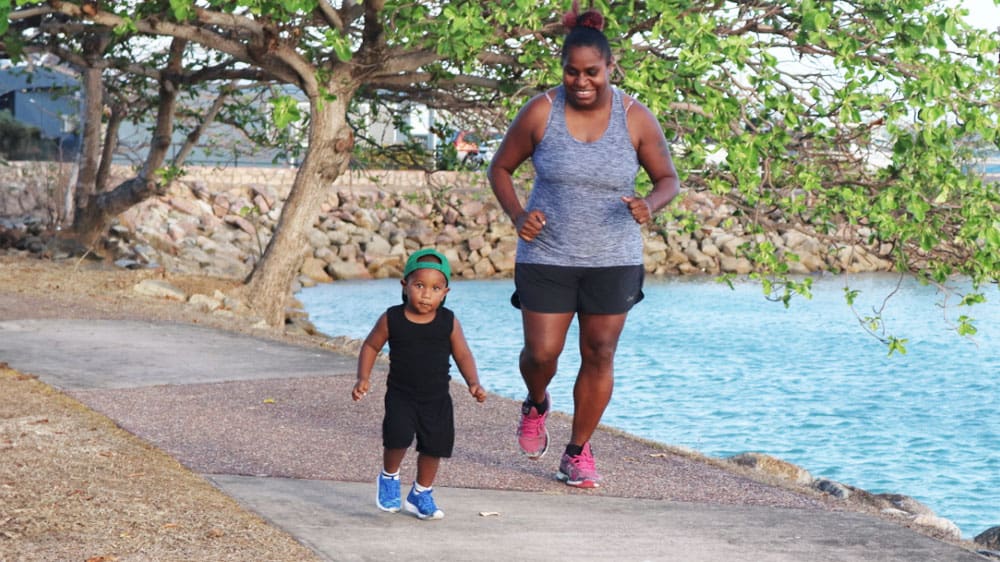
[{"x": 338, "y": 519}]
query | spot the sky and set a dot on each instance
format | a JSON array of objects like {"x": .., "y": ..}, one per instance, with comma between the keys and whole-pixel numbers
[{"x": 983, "y": 13}]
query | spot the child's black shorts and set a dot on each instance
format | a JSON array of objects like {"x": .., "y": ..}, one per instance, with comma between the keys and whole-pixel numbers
[{"x": 432, "y": 421}]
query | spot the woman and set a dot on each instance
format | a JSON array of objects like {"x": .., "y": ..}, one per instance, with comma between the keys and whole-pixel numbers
[{"x": 580, "y": 246}]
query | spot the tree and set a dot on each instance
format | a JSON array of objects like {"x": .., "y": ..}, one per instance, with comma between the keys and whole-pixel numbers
[
  {"x": 122, "y": 76},
  {"x": 796, "y": 95}
]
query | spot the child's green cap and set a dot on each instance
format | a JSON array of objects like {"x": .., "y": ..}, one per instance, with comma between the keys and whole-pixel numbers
[{"x": 414, "y": 263}]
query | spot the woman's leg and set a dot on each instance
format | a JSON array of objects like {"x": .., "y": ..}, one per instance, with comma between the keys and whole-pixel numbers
[
  {"x": 544, "y": 338},
  {"x": 599, "y": 335}
]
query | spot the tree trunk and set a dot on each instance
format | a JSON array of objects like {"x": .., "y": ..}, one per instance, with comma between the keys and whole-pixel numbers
[
  {"x": 330, "y": 143},
  {"x": 110, "y": 145},
  {"x": 94, "y": 213}
]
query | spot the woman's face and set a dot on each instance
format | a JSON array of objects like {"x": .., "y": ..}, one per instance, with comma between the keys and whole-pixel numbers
[{"x": 585, "y": 77}]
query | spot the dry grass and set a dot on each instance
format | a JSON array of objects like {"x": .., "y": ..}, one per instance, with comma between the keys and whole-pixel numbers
[{"x": 74, "y": 486}]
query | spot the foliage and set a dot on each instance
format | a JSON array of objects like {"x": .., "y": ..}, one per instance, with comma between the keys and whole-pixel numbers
[
  {"x": 836, "y": 118},
  {"x": 403, "y": 156}
]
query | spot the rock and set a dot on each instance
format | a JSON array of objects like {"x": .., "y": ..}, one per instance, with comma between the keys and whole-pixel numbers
[
  {"x": 378, "y": 246},
  {"x": 739, "y": 266},
  {"x": 348, "y": 270},
  {"x": 476, "y": 242},
  {"x": 503, "y": 262},
  {"x": 835, "y": 489},
  {"x": 939, "y": 526},
  {"x": 484, "y": 268},
  {"x": 159, "y": 288},
  {"x": 905, "y": 503},
  {"x": 315, "y": 269},
  {"x": 205, "y": 302},
  {"x": 773, "y": 466},
  {"x": 990, "y": 538},
  {"x": 241, "y": 223},
  {"x": 125, "y": 263},
  {"x": 186, "y": 206},
  {"x": 698, "y": 259}
]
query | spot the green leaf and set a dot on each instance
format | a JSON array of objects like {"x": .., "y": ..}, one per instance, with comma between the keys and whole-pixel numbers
[
  {"x": 183, "y": 10},
  {"x": 966, "y": 326},
  {"x": 897, "y": 345},
  {"x": 342, "y": 47},
  {"x": 284, "y": 111}
]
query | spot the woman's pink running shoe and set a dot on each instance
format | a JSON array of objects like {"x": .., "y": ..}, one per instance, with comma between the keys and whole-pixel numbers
[
  {"x": 532, "y": 436},
  {"x": 579, "y": 470}
]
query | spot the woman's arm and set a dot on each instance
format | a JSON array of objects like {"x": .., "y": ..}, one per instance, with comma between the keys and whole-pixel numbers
[
  {"x": 518, "y": 145},
  {"x": 653, "y": 152}
]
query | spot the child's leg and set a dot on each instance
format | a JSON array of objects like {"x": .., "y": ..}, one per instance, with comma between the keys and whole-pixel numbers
[
  {"x": 392, "y": 459},
  {"x": 427, "y": 468},
  {"x": 420, "y": 502},
  {"x": 387, "y": 496}
]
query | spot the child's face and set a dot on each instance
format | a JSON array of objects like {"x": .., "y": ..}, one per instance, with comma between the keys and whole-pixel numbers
[{"x": 425, "y": 289}]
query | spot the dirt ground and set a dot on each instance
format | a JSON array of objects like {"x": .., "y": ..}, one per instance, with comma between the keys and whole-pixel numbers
[{"x": 75, "y": 487}]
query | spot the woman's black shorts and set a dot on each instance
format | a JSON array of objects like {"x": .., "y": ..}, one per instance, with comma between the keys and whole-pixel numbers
[{"x": 588, "y": 290}]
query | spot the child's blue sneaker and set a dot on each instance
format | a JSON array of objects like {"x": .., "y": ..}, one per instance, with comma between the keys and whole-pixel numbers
[
  {"x": 387, "y": 497},
  {"x": 422, "y": 505}
]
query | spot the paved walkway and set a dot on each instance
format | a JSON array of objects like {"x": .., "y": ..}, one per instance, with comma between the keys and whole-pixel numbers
[{"x": 338, "y": 520}]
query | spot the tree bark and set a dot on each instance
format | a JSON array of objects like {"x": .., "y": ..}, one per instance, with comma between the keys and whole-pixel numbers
[{"x": 330, "y": 142}]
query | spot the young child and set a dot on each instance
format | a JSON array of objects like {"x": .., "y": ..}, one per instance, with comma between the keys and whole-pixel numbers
[{"x": 422, "y": 335}]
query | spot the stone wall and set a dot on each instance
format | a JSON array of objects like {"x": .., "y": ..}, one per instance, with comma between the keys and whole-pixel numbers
[
  {"x": 218, "y": 221},
  {"x": 36, "y": 189}
]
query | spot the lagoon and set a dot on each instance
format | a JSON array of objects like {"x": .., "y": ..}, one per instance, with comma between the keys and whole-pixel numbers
[{"x": 723, "y": 371}]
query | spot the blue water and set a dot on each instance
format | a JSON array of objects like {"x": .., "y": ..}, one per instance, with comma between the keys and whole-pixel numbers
[{"x": 724, "y": 371}]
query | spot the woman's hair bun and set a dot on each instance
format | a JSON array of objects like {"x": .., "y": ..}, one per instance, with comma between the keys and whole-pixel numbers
[{"x": 591, "y": 18}]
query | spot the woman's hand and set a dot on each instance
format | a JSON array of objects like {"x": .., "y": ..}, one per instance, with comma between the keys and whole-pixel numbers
[
  {"x": 529, "y": 224},
  {"x": 639, "y": 208}
]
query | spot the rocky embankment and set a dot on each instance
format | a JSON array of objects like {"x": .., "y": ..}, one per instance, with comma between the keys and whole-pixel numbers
[{"x": 367, "y": 232}]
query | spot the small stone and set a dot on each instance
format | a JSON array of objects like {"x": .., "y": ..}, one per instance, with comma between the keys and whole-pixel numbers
[{"x": 159, "y": 289}]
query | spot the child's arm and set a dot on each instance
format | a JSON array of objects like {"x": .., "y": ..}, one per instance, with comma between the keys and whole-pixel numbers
[
  {"x": 466, "y": 362},
  {"x": 366, "y": 357}
]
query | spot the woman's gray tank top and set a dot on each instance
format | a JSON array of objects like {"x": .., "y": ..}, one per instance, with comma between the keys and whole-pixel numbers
[{"x": 579, "y": 186}]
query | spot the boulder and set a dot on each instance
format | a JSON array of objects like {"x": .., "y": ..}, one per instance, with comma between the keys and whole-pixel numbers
[
  {"x": 773, "y": 466},
  {"x": 990, "y": 538}
]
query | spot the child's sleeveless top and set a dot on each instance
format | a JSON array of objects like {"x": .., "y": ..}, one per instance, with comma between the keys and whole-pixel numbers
[
  {"x": 419, "y": 353},
  {"x": 579, "y": 186}
]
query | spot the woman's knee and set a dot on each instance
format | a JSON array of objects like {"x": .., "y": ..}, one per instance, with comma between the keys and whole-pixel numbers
[
  {"x": 598, "y": 352},
  {"x": 539, "y": 356}
]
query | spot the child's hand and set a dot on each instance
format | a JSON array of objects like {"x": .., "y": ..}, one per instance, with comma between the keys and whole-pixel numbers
[
  {"x": 360, "y": 390},
  {"x": 478, "y": 392}
]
